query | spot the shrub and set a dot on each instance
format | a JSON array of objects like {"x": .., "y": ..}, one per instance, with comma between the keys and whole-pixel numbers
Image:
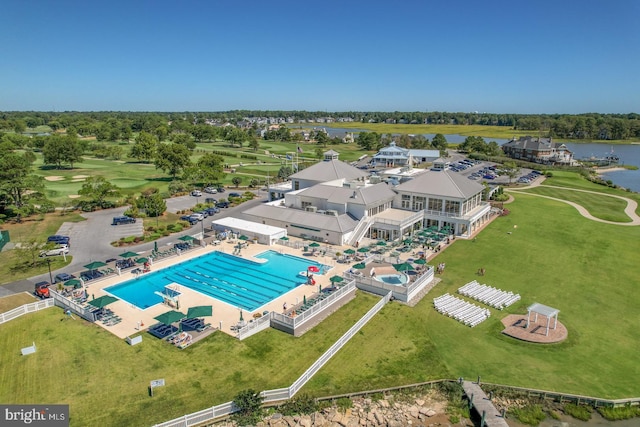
[
  {"x": 129, "y": 239},
  {"x": 299, "y": 405},
  {"x": 344, "y": 403},
  {"x": 579, "y": 412},
  {"x": 249, "y": 404},
  {"x": 531, "y": 414},
  {"x": 620, "y": 413}
]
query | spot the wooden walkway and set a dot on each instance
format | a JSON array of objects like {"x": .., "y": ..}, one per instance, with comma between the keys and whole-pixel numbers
[{"x": 482, "y": 404}]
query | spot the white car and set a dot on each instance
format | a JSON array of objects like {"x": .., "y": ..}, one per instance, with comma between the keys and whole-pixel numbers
[
  {"x": 60, "y": 250},
  {"x": 197, "y": 216},
  {"x": 210, "y": 190},
  {"x": 196, "y": 193}
]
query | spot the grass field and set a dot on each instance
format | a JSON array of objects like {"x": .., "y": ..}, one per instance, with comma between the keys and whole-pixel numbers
[{"x": 16, "y": 300}]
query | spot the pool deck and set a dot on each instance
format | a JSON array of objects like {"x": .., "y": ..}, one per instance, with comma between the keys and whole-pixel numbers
[{"x": 135, "y": 320}]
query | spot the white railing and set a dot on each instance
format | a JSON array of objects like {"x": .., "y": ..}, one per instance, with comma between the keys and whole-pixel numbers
[
  {"x": 304, "y": 316},
  {"x": 27, "y": 308},
  {"x": 279, "y": 394},
  {"x": 253, "y": 327},
  {"x": 77, "y": 308}
]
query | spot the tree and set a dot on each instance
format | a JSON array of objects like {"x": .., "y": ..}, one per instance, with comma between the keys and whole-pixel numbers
[
  {"x": 61, "y": 149},
  {"x": 319, "y": 152},
  {"x": 145, "y": 147},
  {"x": 322, "y": 138},
  {"x": 184, "y": 139},
  {"x": 235, "y": 136},
  {"x": 440, "y": 142},
  {"x": 31, "y": 250},
  {"x": 172, "y": 158},
  {"x": 236, "y": 180},
  {"x": 511, "y": 169},
  {"x": 16, "y": 178},
  {"x": 97, "y": 189},
  {"x": 152, "y": 203},
  {"x": 284, "y": 172},
  {"x": 254, "y": 143},
  {"x": 249, "y": 404},
  {"x": 208, "y": 170}
]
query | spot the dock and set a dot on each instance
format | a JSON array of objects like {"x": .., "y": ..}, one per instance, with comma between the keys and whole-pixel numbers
[{"x": 483, "y": 405}]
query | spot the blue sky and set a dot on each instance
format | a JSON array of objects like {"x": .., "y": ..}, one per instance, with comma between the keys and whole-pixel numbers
[{"x": 543, "y": 56}]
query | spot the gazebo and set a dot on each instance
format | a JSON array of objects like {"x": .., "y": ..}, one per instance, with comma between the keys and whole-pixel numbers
[{"x": 544, "y": 310}]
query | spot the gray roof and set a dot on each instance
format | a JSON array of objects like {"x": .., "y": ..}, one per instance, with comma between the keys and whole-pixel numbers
[
  {"x": 442, "y": 183},
  {"x": 425, "y": 153},
  {"x": 364, "y": 195},
  {"x": 545, "y": 310},
  {"x": 329, "y": 170},
  {"x": 532, "y": 143},
  {"x": 340, "y": 223}
]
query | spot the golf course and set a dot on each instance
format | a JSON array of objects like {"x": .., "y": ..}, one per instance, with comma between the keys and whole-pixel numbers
[{"x": 544, "y": 250}]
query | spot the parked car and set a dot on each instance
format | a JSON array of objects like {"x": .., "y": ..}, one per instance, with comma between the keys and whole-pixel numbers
[
  {"x": 41, "y": 290},
  {"x": 222, "y": 205},
  {"x": 58, "y": 250},
  {"x": 234, "y": 195},
  {"x": 197, "y": 216},
  {"x": 204, "y": 213},
  {"x": 61, "y": 240},
  {"x": 117, "y": 220},
  {"x": 63, "y": 277},
  {"x": 212, "y": 211},
  {"x": 210, "y": 190},
  {"x": 188, "y": 219},
  {"x": 196, "y": 193},
  {"x": 221, "y": 189}
]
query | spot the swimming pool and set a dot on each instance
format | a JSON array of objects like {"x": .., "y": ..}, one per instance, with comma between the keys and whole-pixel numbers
[
  {"x": 237, "y": 281},
  {"x": 393, "y": 279}
]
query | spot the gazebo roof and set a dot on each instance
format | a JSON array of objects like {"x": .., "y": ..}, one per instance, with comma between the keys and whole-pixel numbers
[{"x": 543, "y": 309}]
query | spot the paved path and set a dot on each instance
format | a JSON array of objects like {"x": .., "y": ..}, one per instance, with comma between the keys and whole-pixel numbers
[
  {"x": 629, "y": 210},
  {"x": 482, "y": 404}
]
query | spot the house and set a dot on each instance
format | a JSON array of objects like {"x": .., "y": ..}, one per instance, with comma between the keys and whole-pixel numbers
[
  {"x": 394, "y": 156},
  {"x": 538, "y": 150}
]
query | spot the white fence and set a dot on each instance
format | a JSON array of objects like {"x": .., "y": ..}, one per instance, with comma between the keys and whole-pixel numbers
[
  {"x": 280, "y": 394},
  {"x": 24, "y": 309},
  {"x": 251, "y": 328},
  {"x": 66, "y": 303}
]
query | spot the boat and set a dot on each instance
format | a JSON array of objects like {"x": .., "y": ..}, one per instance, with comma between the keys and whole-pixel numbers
[{"x": 610, "y": 159}]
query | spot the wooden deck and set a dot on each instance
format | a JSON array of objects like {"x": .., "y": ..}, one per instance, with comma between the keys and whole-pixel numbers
[{"x": 481, "y": 403}]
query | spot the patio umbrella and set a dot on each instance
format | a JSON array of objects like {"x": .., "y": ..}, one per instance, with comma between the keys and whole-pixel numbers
[
  {"x": 73, "y": 282},
  {"x": 199, "y": 311},
  {"x": 142, "y": 260},
  {"x": 313, "y": 269},
  {"x": 349, "y": 251},
  {"x": 407, "y": 241},
  {"x": 336, "y": 279},
  {"x": 284, "y": 238},
  {"x": 404, "y": 266},
  {"x": 314, "y": 245},
  {"x": 103, "y": 301},
  {"x": 155, "y": 246},
  {"x": 360, "y": 266},
  {"x": 169, "y": 317},
  {"x": 304, "y": 300},
  {"x": 243, "y": 237},
  {"x": 363, "y": 250},
  {"x": 241, "y": 318},
  {"x": 128, "y": 254},
  {"x": 381, "y": 243},
  {"x": 420, "y": 261},
  {"x": 94, "y": 265},
  {"x": 186, "y": 238}
]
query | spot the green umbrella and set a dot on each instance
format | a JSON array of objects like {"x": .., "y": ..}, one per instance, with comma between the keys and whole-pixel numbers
[
  {"x": 284, "y": 238},
  {"x": 169, "y": 317},
  {"x": 241, "y": 318},
  {"x": 349, "y": 251},
  {"x": 314, "y": 245},
  {"x": 304, "y": 300},
  {"x": 243, "y": 237},
  {"x": 142, "y": 260},
  {"x": 405, "y": 266},
  {"x": 103, "y": 301},
  {"x": 186, "y": 238},
  {"x": 336, "y": 279},
  {"x": 363, "y": 250},
  {"x": 199, "y": 311},
  {"x": 128, "y": 254},
  {"x": 155, "y": 246},
  {"x": 360, "y": 266},
  {"x": 381, "y": 243},
  {"x": 73, "y": 282},
  {"x": 94, "y": 265},
  {"x": 420, "y": 261},
  {"x": 407, "y": 241}
]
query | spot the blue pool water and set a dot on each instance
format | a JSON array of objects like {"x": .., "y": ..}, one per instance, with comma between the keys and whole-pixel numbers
[
  {"x": 393, "y": 279},
  {"x": 237, "y": 281}
]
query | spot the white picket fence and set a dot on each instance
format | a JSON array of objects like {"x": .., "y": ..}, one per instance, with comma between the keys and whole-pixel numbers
[
  {"x": 27, "y": 308},
  {"x": 280, "y": 394}
]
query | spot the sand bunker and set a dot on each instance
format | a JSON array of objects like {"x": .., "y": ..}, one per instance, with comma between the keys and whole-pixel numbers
[
  {"x": 80, "y": 176},
  {"x": 54, "y": 178},
  {"x": 77, "y": 180},
  {"x": 74, "y": 196}
]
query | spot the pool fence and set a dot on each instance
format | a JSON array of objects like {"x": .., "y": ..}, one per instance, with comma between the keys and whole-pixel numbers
[
  {"x": 25, "y": 309},
  {"x": 310, "y": 317},
  {"x": 281, "y": 394},
  {"x": 69, "y": 304},
  {"x": 403, "y": 293}
]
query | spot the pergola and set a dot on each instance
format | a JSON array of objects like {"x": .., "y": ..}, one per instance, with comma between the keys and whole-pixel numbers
[{"x": 544, "y": 310}]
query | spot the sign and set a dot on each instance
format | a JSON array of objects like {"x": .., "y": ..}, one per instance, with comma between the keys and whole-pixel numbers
[
  {"x": 35, "y": 415},
  {"x": 157, "y": 383}
]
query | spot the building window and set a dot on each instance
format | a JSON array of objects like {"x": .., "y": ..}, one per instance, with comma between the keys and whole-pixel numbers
[
  {"x": 418, "y": 203},
  {"x": 452, "y": 207},
  {"x": 305, "y": 205},
  {"x": 296, "y": 185},
  {"x": 435, "y": 204},
  {"x": 406, "y": 201}
]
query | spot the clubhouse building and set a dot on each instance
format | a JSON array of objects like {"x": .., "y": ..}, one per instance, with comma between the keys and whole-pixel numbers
[{"x": 334, "y": 202}]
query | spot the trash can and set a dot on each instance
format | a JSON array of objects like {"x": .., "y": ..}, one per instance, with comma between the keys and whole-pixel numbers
[{"x": 306, "y": 248}]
